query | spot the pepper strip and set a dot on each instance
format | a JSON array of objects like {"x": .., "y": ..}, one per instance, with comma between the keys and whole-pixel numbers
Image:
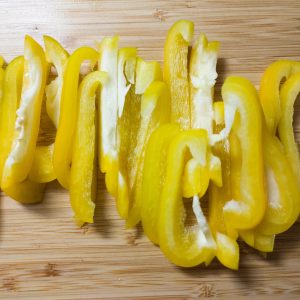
[
  {"x": 42, "y": 168},
  {"x": 176, "y": 71},
  {"x": 288, "y": 95},
  {"x": 185, "y": 246},
  {"x": 108, "y": 62},
  {"x": 83, "y": 181},
  {"x": 68, "y": 113},
  {"x": 203, "y": 77},
  {"x": 248, "y": 205},
  {"x": 114, "y": 180},
  {"x": 154, "y": 177},
  {"x": 20, "y": 158},
  {"x": 132, "y": 126},
  {"x": 155, "y": 111},
  {"x": 269, "y": 90},
  {"x": 26, "y": 191},
  {"x": 227, "y": 246}
]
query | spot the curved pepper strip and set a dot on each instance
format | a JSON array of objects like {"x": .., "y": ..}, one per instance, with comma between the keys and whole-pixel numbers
[
  {"x": 108, "y": 106},
  {"x": 176, "y": 70},
  {"x": 83, "y": 179},
  {"x": 248, "y": 205},
  {"x": 42, "y": 169},
  {"x": 154, "y": 177},
  {"x": 131, "y": 137},
  {"x": 185, "y": 246},
  {"x": 68, "y": 113},
  {"x": 288, "y": 95},
  {"x": 269, "y": 92},
  {"x": 283, "y": 194},
  {"x": 26, "y": 191},
  {"x": 155, "y": 111},
  {"x": 203, "y": 75},
  {"x": 20, "y": 158},
  {"x": 114, "y": 180},
  {"x": 227, "y": 246}
]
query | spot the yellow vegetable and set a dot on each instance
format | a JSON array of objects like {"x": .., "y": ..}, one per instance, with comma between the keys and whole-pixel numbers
[
  {"x": 176, "y": 71},
  {"x": 68, "y": 114},
  {"x": 83, "y": 180}
]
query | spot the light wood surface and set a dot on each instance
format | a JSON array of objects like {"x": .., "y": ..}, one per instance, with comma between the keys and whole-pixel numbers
[{"x": 43, "y": 255}]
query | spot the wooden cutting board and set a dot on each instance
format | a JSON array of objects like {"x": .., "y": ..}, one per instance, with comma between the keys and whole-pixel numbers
[{"x": 43, "y": 255}]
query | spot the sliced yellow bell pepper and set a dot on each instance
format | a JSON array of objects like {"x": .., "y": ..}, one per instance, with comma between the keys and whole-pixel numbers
[
  {"x": 155, "y": 111},
  {"x": 20, "y": 158},
  {"x": 83, "y": 180},
  {"x": 114, "y": 179},
  {"x": 141, "y": 115},
  {"x": 150, "y": 71},
  {"x": 26, "y": 191},
  {"x": 227, "y": 247},
  {"x": 176, "y": 70},
  {"x": 108, "y": 106},
  {"x": 42, "y": 168},
  {"x": 68, "y": 113},
  {"x": 203, "y": 75},
  {"x": 185, "y": 246},
  {"x": 288, "y": 95},
  {"x": 154, "y": 177},
  {"x": 247, "y": 207},
  {"x": 269, "y": 92}
]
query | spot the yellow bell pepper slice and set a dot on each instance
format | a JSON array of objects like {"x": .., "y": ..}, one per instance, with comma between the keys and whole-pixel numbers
[
  {"x": 242, "y": 108},
  {"x": 288, "y": 95},
  {"x": 114, "y": 180},
  {"x": 185, "y": 246},
  {"x": 42, "y": 169},
  {"x": 203, "y": 75},
  {"x": 108, "y": 106},
  {"x": 25, "y": 192},
  {"x": 176, "y": 70},
  {"x": 58, "y": 57},
  {"x": 150, "y": 71},
  {"x": 227, "y": 246},
  {"x": 68, "y": 113},
  {"x": 137, "y": 119},
  {"x": 20, "y": 158},
  {"x": 154, "y": 176},
  {"x": 269, "y": 92},
  {"x": 83, "y": 180},
  {"x": 155, "y": 111}
]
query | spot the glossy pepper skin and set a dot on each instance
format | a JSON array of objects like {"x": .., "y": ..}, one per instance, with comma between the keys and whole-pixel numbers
[
  {"x": 84, "y": 165},
  {"x": 248, "y": 205},
  {"x": 184, "y": 246},
  {"x": 155, "y": 111},
  {"x": 269, "y": 92},
  {"x": 176, "y": 70},
  {"x": 68, "y": 113},
  {"x": 288, "y": 95},
  {"x": 27, "y": 191},
  {"x": 139, "y": 118},
  {"x": 154, "y": 177},
  {"x": 42, "y": 169},
  {"x": 20, "y": 158}
]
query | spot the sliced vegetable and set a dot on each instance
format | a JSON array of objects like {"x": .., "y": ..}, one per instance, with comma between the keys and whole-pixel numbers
[
  {"x": 176, "y": 71},
  {"x": 84, "y": 164}
]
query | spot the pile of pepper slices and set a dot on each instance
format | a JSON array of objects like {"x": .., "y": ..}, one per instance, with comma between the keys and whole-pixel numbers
[{"x": 161, "y": 140}]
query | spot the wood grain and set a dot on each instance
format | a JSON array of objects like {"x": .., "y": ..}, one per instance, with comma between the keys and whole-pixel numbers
[{"x": 43, "y": 255}]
